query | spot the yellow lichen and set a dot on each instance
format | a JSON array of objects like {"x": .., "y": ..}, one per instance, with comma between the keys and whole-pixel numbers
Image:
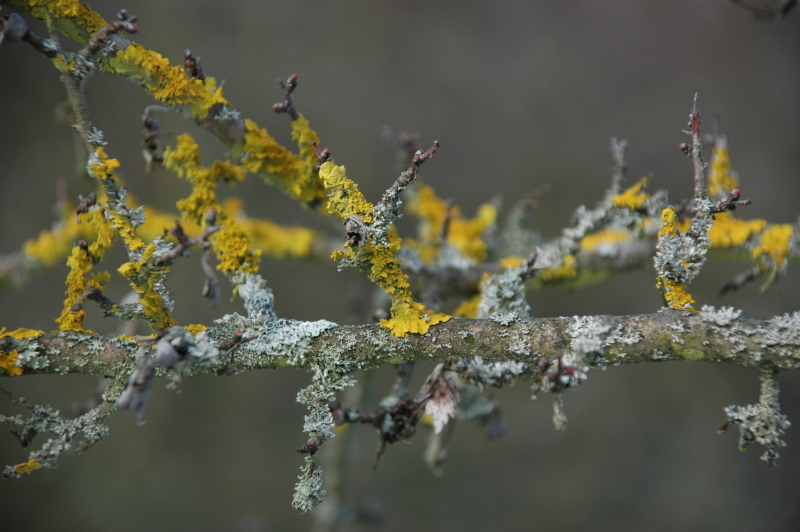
[
  {"x": 275, "y": 240},
  {"x": 607, "y": 236},
  {"x": 296, "y": 176},
  {"x": 775, "y": 241},
  {"x": 344, "y": 198},
  {"x": 103, "y": 170},
  {"x": 379, "y": 261},
  {"x": 668, "y": 223},
  {"x": 230, "y": 244},
  {"x": 21, "y": 333},
  {"x": 143, "y": 280},
  {"x": 80, "y": 262},
  {"x": 567, "y": 270},
  {"x": 51, "y": 246},
  {"x": 469, "y": 307},
  {"x": 195, "y": 328},
  {"x": 729, "y": 232},
  {"x": 68, "y": 15},
  {"x": 675, "y": 295},
  {"x": 8, "y": 362},
  {"x": 511, "y": 262},
  {"x": 633, "y": 198},
  {"x": 463, "y": 234},
  {"x": 158, "y": 223},
  {"x": 722, "y": 179},
  {"x": 28, "y": 467},
  {"x": 166, "y": 83}
]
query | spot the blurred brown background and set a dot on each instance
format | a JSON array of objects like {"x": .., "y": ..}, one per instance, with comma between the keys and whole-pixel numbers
[{"x": 522, "y": 94}]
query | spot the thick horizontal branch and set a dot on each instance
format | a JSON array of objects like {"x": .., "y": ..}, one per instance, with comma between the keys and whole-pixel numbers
[{"x": 711, "y": 336}]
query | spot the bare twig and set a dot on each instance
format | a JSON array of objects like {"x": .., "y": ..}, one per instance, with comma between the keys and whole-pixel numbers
[{"x": 288, "y": 105}]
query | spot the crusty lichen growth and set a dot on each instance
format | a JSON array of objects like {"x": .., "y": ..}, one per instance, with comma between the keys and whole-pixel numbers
[
  {"x": 77, "y": 20},
  {"x": 230, "y": 244},
  {"x": 68, "y": 434},
  {"x": 125, "y": 220},
  {"x": 80, "y": 263},
  {"x": 147, "y": 278},
  {"x": 378, "y": 260},
  {"x": 192, "y": 97},
  {"x": 504, "y": 293},
  {"x": 308, "y": 491},
  {"x": 762, "y": 423},
  {"x": 680, "y": 256},
  {"x": 295, "y": 175}
]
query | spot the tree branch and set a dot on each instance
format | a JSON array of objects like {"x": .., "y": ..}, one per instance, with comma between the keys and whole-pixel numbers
[{"x": 711, "y": 336}]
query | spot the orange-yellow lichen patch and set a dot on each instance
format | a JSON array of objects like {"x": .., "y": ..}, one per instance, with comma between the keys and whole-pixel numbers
[
  {"x": 675, "y": 295},
  {"x": 80, "y": 262},
  {"x": 729, "y": 232},
  {"x": 275, "y": 240},
  {"x": 8, "y": 362},
  {"x": 668, "y": 223},
  {"x": 468, "y": 308},
  {"x": 169, "y": 84},
  {"x": 379, "y": 261},
  {"x": 633, "y": 198},
  {"x": 567, "y": 270},
  {"x": 605, "y": 237},
  {"x": 143, "y": 279},
  {"x": 775, "y": 241},
  {"x": 28, "y": 467},
  {"x": 722, "y": 179},
  {"x": 230, "y": 244},
  {"x": 51, "y": 246},
  {"x": 195, "y": 328},
  {"x": 344, "y": 198},
  {"x": 411, "y": 317},
  {"x": 511, "y": 262},
  {"x": 20, "y": 334},
  {"x": 158, "y": 223},
  {"x": 61, "y": 62},
  {"x": 79, "y": 14},
  {"x": 280, "y": 241},
  {"x": 463, "y": 234},
  {"x": 296, "y": 176},
  {"x": 104, "y": 170}
]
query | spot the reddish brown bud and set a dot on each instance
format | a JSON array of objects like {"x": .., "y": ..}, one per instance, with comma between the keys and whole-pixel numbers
[
  {"x": 685, "y": 148},
  {"x": 14, "y": 28}
]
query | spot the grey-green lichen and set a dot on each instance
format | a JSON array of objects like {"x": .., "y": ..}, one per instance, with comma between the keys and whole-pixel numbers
[
  {"x": 504, "y": 293},
  {"x": 679, "y": 257},
  {"x": 255, "y": 293},
  {"x": 308, "y": 491},
  {"x": 78, "y": 434},
  {"x": 761, "y": 423}
]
